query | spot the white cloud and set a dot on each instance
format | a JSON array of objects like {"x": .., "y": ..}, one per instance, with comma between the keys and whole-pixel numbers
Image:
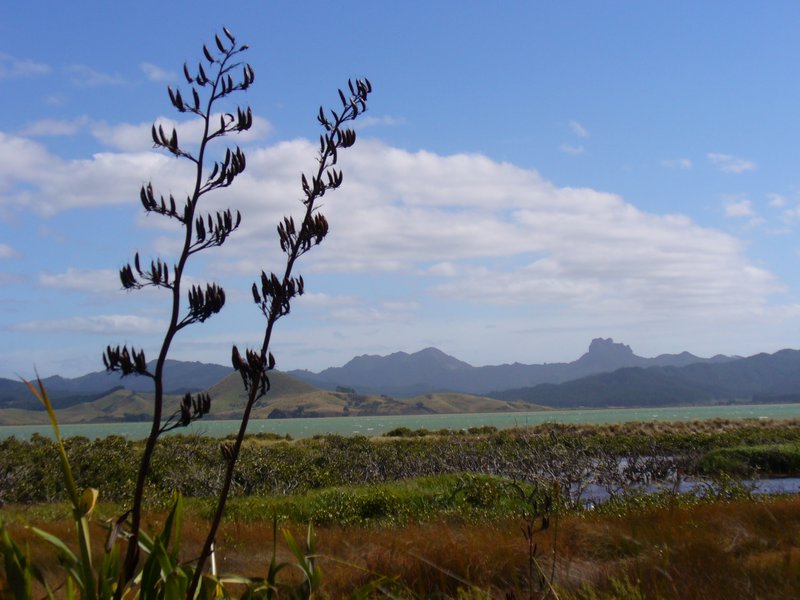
[
  {"x": 731, "y": 164},
  {"x": 12, "y": 67},
  {"x": 400, "y": 210},
  {"x": 373, "y": 121},
  {"x": 383, "y": 313},
  {"x": 776, "y": 200},
  {"x": 130, "y": 137},
  {"x": 97, "y": 325},
  {"x": 741, "y": 207},
  {"x": 30, "y": 176},
  {"x": 7, "y": 252},
  {"x": 323, "y": 300},
  {"x": 791, "y": 214},
  {"x": 156, "y": 73},
  {"x": 83, "y": 280},
  {"x": 677, "y": 163},
  {"x": 54, "y": 127},
  {"x": 482, "y": 231},
  {"x": 570, "y": 149},
  {"x": 443, "y": 269},
  {"x": 578, "y": 129},
  {"x": 86, "y": 76}
]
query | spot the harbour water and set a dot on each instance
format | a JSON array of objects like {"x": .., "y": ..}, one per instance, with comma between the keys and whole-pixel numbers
[{"x": 373, "y": 426}]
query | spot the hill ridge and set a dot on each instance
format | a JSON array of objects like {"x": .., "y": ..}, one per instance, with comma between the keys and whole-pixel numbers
[{"x": 431, "y": 370}]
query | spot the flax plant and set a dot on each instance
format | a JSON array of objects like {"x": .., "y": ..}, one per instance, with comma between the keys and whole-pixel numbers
[
  {"x": 220, "y": 75},
  {"x": 275, "y": 293},
  {"x": 209, "y": 85}
]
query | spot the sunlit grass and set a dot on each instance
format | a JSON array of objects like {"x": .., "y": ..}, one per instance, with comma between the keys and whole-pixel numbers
[{"x": 709, "y": 550}]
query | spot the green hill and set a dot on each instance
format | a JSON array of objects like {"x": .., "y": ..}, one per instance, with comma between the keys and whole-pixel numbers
[{"x": 287, "y": 397}]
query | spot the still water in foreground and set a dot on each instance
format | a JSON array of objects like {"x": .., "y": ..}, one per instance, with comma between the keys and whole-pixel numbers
[{"x": 372, "y": 426}]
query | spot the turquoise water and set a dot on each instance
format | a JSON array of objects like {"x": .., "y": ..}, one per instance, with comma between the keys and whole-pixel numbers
[{"x": 370, "y": 426}]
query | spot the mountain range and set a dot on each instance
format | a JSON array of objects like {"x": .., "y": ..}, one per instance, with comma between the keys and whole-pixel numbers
[
  {"x": 430, "y": 370},
  {"x": 760, "y": 378},
  {"x": 430, "y": 381},
  {"x": 179, "y": 377}
]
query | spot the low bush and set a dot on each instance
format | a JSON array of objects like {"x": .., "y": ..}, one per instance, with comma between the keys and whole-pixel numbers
[{"x": 771, "y": 459}]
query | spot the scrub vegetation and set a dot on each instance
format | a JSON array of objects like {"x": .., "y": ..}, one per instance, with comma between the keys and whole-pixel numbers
[{"x": 418, "y": 514}]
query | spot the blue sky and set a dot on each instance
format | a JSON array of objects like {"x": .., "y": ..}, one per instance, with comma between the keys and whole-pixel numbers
[{"x": 529, "y": 176}]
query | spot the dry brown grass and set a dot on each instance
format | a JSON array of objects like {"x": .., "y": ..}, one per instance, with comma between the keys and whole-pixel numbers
[{"x": 723, "y": 550}]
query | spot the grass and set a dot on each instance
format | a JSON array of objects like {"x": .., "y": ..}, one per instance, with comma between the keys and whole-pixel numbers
[
  {"x": 461, "y": 535},
  {"x": 711, "y": 550},
  {"x": 775, "y": 459}
]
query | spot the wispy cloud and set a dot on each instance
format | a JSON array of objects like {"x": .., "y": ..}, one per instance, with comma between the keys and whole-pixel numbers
[
  {"x": 791, "y": 214},
  {"x": 156, "y": 73},
  {"x": 728, "y": 163},
  {"x": 374, "y": 121},
  {"x": 85, "y": 76},
  {"x": 7, "y": 251},
  {"x": 677, "y": 163},
  {"x": 386, "y": 312},
  {"x": 776, "y": 200},
  {"x": 578, "y": 129},
  {"x": 54, "y": 127},
  {"x": 98, "y": 325},
  {"x": 571, "y": 149},
  {"x": 595, "y": 252},
  {"x": 83, "y": 280},
  {"x": 12, "y": 67},
  {"x": 739, "y": 208},
  {"x": 322, "y": 300},
  {"x": 135, "y": 137}
]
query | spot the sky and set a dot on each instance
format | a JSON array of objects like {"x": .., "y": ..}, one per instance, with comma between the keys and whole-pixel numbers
[{"x": 528, "y": 176}]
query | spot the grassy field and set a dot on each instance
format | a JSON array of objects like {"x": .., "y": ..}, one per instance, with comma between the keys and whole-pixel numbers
[
  {"x": 726, "y": 550},
  {"x": 460, "y": 514}
]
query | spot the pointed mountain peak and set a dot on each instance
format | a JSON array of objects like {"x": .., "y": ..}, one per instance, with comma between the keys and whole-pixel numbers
[
  {"x": 606, "y": 346},
  {"x": 606, "y": 355},
  {"x": 441, "y": 358}
]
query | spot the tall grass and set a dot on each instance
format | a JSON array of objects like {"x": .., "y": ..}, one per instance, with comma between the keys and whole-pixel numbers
[{"x": 712, "y": 550}]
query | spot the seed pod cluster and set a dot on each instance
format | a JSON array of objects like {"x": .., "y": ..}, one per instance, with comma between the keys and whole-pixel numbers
[
  {"x": 163, "y": 207},
  {"x": 253, "y": 368},
  {"x": 125, "y": 361},
  {"x": 158, "y": 275},
  {"x": 213, "y": 232},
  {"x": 274, "y": 297},
  {"x": 222, "y": 174},
  {"x": 203, "y": 305},
  {"x": 161, "y": 140},
  {"x": 193, "y": 408}
]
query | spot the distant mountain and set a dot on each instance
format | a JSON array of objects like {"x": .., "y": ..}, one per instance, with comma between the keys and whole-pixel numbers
[
  {"x": 396, "y": 374},
  {"x": 432, "y": 370},
  {"x": 179, "y": 377},
  {"x": 287, "y": 397},
  {"x": 760, "y": 378},
  {"x": 429, "y": 381}
]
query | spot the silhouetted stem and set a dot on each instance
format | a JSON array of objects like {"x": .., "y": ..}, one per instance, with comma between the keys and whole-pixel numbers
[
  {"x": 276, "y": 311},
  {"x": 132, "y": 552},
  {"x": 226, "y": 487}
]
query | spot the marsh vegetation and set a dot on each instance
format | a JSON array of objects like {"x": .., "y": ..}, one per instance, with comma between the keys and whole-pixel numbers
[{"x": 444, "y": 512}]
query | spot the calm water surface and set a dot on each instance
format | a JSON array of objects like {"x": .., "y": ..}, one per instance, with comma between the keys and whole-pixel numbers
[{"x": 370, "y": 426}]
